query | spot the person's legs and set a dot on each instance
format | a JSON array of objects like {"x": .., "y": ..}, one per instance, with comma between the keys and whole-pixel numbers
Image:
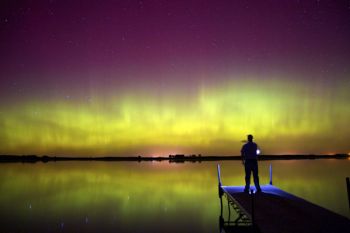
[
  {"x": 247, "y": 167},
  {"x": 256, "y": 175}
]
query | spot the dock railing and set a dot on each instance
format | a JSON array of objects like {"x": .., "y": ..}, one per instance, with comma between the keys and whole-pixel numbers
[{"x": 221, "y": 192}]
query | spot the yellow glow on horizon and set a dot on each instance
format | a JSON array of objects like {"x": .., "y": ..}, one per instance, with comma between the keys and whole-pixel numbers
[{"x": 212, "y": 122}]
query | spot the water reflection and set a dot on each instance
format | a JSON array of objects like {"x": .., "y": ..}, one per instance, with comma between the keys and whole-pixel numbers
[{"x": 140, "y": 197}]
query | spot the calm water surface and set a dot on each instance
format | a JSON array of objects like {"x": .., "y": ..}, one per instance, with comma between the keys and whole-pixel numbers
[{"x": 147, "y": 196}]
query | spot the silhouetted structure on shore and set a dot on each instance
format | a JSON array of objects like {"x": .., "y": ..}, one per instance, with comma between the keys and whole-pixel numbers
[{"x": 183, "y": 158}]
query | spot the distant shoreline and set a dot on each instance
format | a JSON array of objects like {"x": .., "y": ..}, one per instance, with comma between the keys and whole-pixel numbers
[{"x": 175, "y": 158}]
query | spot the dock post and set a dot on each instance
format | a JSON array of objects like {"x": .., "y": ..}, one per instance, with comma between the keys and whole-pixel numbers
[
  {"x": 229, "y": 210},
  {"x": 221, "y": 192},
  {"x": 348, "y": 188},
  {"x": 270, "y": 174}
]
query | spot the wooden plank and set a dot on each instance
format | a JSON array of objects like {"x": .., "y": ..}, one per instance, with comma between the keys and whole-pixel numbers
[{"x": 281, "y": 212}]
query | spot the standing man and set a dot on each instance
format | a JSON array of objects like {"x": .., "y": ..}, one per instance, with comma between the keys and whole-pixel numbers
[{"x": 250, "y": 160}]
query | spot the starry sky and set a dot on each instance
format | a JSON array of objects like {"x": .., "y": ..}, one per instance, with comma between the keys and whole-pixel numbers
[{"x": 156, "y": 77}]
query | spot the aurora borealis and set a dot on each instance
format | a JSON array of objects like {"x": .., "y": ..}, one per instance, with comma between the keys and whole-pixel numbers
[{"x": 159, "y": 77}]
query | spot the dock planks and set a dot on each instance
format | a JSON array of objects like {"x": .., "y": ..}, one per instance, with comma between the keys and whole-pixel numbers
[{"x": 277, "y": 211}]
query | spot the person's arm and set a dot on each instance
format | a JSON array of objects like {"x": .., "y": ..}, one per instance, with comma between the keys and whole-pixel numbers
[{"x": 242, "y": 155}]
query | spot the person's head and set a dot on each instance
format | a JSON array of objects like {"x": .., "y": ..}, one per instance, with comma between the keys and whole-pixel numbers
[{"x": 250, "y": 138}]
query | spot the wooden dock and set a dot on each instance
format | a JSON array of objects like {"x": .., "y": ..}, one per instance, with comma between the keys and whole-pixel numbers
[{"x": 277, "y": 211}]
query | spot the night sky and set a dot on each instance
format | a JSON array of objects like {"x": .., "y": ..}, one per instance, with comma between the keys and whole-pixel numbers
[{"x": 158, "y": 77}]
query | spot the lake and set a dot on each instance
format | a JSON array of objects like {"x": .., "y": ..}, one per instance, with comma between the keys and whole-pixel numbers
[{"x": 148, "y": 196}]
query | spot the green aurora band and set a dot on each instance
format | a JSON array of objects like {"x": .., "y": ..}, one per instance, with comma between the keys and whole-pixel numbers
[{"x": 285, "y": 117}]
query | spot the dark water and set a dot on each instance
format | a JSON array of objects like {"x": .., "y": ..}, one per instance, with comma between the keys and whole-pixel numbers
[{"x": 147, "y": 196}]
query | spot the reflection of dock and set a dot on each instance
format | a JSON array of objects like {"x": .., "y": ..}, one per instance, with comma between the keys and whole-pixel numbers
[{"x": 275, "y": 210}]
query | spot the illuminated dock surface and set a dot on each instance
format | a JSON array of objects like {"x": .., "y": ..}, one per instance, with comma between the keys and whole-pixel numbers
[{"x": 275, "y": 210}]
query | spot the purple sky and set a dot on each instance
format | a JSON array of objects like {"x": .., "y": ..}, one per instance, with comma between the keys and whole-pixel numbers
[{"x": 45, "y": 38}]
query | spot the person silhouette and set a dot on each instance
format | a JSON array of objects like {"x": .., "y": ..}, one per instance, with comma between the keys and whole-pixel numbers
[{"x": 249, "y": 154}]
